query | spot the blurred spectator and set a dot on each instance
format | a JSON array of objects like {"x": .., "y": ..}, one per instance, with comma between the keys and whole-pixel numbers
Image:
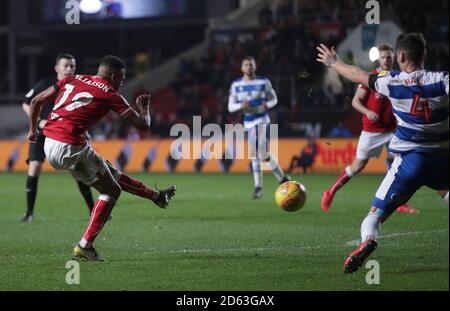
[
  {"x": 333, "y": 88},
  {"x": 340, "y": 131}
]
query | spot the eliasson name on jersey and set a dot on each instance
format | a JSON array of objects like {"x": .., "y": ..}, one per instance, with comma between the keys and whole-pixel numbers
[{"x": 86, "y": 80}]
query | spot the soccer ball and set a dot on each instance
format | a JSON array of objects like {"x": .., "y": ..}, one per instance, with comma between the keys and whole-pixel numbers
[{"x": 290, "y": 196}]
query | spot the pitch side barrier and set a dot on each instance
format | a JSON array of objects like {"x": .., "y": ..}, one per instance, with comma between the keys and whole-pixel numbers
[{"x": 157, "y": 155}]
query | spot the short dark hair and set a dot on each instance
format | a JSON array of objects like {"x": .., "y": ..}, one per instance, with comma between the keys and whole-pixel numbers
[
  {"x": 250, "y": 58},
  {"x": 414, "y": 46},
  {"x": 112, "y": 62},
  {"x": 385, "y": 47},
  {"x": 63, "y": 56}
]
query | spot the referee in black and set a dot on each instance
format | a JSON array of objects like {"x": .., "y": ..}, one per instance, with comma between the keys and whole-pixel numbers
[{"x": 65, "y": 66}]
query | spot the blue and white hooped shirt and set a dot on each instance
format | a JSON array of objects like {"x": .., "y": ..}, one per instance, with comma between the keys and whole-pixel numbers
[
  {"x": 420, "y": 104},
  {"x": 256, "y": 92}
]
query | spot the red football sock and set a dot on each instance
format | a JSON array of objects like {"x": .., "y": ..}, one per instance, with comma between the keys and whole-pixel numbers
[
  {"x": 134, "y": 186},
  {"x": 100, "y": 212},
  {"x": 342, "y": 179}
]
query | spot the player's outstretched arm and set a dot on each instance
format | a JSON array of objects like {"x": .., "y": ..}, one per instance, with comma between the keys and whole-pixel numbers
[
  {"x": 141, "y": 120},
  {"x": 330, "y": 58},
  {"x": 46, "y": 96}
]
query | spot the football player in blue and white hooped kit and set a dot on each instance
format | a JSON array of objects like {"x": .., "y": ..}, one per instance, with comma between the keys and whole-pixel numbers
[
  {"x": 419, "y": 99},
  {"x": 254, "y": 96}
]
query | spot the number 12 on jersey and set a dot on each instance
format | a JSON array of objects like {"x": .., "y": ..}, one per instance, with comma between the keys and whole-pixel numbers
[{"x": 78, "y": 100}]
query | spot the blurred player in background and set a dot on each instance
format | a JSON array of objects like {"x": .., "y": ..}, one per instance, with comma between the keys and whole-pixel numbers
[
  {"x": 378, "y": 126},
  {"x": 81, "y": 102},
  {"x": 65, "y": 67},
  {"x": 254, "y": 96},
  {"x": 419, "y": 100}
]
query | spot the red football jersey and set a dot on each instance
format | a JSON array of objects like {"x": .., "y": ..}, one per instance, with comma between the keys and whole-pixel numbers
[
  {"x": 382, "y": 106},
  {"x": 82, "y": 101}
]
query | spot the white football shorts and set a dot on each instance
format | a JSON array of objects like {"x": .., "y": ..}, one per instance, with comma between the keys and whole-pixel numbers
[
  {"x": 83, "y": 162},
  {"x": 370, "y": 145}
]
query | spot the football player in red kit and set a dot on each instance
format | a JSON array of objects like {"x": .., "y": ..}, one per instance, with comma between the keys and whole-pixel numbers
[
  {"x": 378, "y": 128},
  {"x": 80, "y": 102}
]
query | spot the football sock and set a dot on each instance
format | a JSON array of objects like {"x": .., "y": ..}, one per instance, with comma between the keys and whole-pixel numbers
[
  {"x": 134, "y": 186},
  {"x": 446, "y": 198},
  {"x": 342, "y": 179},
  {"x": 85, "y": 244},
  {"x": 31, "y": 189},
  {"x": 370, "y": 226},
  {"x": 100, "y": 212},
  {"x": 348, "y": 171},
  {"x": 87, "y": 194},
  {"x": 257, "y": 174},
  {"x": 276, "y": 169}
]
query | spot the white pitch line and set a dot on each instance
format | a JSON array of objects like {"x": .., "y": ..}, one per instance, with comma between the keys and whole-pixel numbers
[
  {"x": 242, "y": 250},
  {"x": 395, "y": 234},
  {"x": 245, "y": 250}
]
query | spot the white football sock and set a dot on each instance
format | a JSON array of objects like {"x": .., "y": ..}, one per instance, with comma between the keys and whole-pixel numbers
[
  {"x": 348, "y": 171},
  {"x": 276, "y": 169},
  {"x": 257, "y": 174},
  {"x": 370, "y": 226},
  {"x": 85, "y": 244},
  {"x": 446, "y": 198}
]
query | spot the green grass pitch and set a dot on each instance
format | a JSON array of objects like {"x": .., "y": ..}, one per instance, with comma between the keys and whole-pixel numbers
[{"x": 214, "y": 237}]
